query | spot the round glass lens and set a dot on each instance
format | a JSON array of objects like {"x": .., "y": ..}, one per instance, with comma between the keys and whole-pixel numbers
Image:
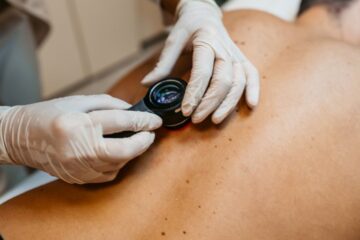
[{"x": 167, "y": 95}]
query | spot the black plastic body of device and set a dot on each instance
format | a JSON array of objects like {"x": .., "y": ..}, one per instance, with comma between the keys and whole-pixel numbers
[{"x": 163, "y": 99}]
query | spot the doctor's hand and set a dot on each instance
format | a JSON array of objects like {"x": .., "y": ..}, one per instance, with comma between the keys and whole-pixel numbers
[
  {"x": 220, "y": 72},
  {"x": 64, "y": 137}
]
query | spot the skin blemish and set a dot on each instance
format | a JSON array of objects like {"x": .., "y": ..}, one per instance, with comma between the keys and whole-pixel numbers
[
  {"x": 163, "y": 233},
  {"x": 243, "y": 43},
  {"x": 264, "y": 77},
  {"x": 214, "y": 212},
  {"x": 184, "y": 232},
  {"x": 199, "y": 206},
  {"x": 215, "y": 146},
  {"x": 230, "y": 139},
  {"x": 187, "y": 181},
  {"x": 166, "y": 219}
]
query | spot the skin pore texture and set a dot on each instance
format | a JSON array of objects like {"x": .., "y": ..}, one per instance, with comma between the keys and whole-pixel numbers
[{"x": 288, "y": 170}]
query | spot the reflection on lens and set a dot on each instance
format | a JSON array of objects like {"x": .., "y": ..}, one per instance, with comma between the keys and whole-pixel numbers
[{"x": 167, "y": 96}]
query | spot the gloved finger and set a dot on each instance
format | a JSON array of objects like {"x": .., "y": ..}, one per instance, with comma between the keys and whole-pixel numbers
[
  {"x": 122, "y": 150},
  {"x": 174, "y": 45},
  {"x": 113, "y": 121},
  {"x": 104, "y": 165},
  {"x": 233, "y": 98},
  {"x": 203, "y": 64},
  {"x": 252, "y": 85},
  {"x": 220, "y": 86},
  {"x": 104, "y": 177},
  {"x": 94, "y": 102}
]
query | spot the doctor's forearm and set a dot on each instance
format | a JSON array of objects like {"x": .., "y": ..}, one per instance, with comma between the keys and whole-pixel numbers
[{"x": 3, "y": 154}]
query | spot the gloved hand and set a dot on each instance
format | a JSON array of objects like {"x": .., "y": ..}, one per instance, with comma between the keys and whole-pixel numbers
[
  {"x": 64, "y": 137},
  {"x": 220, "y": 71}
]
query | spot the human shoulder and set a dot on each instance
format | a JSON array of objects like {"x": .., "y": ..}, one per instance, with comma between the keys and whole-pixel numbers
[{"x": 336, "y": 53}]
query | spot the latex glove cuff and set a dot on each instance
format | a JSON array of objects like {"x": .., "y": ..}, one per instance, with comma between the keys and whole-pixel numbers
[{"x": 4, "y": 157}]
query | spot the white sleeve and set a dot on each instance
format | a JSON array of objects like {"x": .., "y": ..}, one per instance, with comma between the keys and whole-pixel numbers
[
  {"x": 4, "y": 157},
  {"x": 284, "y": 9}
]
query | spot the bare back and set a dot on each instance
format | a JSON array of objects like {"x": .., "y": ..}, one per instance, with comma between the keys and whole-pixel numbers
[{"x": 288, "y": 170}]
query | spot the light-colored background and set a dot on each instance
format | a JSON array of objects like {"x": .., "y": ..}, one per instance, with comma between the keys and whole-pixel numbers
[{"x": 91, "y": 37}]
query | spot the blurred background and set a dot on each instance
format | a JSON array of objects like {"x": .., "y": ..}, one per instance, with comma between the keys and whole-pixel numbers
[
  {"x": 91, "y": 45},
  {"x": 90, "y": 42}
]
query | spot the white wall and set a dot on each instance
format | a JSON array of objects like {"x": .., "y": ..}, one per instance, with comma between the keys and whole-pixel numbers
[
  {"x": 60, "y": 60},
  {"x": 89, "y": 36},
  {"x": 149, "y": 19}
]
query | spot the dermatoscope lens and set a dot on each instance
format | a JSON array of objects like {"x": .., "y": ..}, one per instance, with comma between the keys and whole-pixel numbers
[{"x": 167, "y": 93}]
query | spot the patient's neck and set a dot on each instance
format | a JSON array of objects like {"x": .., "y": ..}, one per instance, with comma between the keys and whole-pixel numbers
[{"x": 320, "y": 22}]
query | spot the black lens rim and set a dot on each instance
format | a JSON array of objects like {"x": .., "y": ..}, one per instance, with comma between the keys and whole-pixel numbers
[{"x": 170, "y": 81}]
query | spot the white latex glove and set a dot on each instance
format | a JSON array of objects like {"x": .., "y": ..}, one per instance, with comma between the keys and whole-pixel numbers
[
  {"x": 220, "y": 71},
  {"x": 64, "y": 137}
]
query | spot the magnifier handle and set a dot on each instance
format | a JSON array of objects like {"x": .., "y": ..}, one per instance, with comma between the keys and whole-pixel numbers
[{"x": 139, "y": 107}]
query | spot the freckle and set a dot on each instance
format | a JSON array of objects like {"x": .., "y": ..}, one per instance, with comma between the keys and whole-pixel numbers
[
  {"x": 249, "y": 28},
  {"x": 264, "y": 77},
  {"x": 243, "y": 43},
  {"x": 199, "y": 206},
  {"x": 187, "y": 181},
  {"x": 165, "y": 219},
  {"x": 230, "y": 139},
  {"x": 163, "y": 233},
  {"x": 215, "y": 146},
  {"x": 184, "y": 232},
  {"x": 214, "y": 212},
  {"x": 236, "y": 42}
]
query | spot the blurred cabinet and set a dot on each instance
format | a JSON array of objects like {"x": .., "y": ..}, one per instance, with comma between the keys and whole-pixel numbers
[
  {"x": 90, "y": 36},
  {"x": 149, "y": 21},
  {"x": 108, "y": 30},
  {"x": 59, "y": 57}
]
